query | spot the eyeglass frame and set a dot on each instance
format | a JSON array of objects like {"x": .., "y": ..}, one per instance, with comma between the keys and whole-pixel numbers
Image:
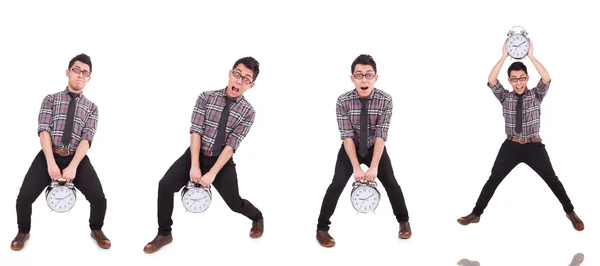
[
  {"x": 361, "y": 76},
  {"x": 521, "y": 79},
  {"x": 238, "y": 75},
  {"x": 82, "y": 72}
]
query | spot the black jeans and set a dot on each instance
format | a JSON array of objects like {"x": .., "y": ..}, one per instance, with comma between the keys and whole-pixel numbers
[
  {"x": 510, "y": 155},
  {"x": 343, "y": 172},
  {"x": 178, "y": 176},
  {"x": 37, "y": 179}
]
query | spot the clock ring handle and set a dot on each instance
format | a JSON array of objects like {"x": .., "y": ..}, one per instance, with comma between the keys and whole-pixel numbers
[
  {"x": 192, "y": 184},
  {"x": 63, "y": 182},
  {"x": 363, "y": 182},
  {"x": 522, "y": 31}
]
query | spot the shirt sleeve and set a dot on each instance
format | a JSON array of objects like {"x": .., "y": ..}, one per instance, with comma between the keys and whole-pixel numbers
[
  {"x": 89, "y": 130},
  {"x": 198, "y": 115},
  {"x": 240, "y": 131},
  {"x": 541, "y": 90},
  {"x": 498, "y": 90},
  {"x": 45, "y": 115},
  {"x": 343, "y": 120},
  {"x": 383, "y": 121}
]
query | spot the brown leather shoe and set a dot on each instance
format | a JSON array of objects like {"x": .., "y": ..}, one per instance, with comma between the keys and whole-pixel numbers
[
  {"x": 405, "y": 232},
  {"x": 257, "y": 229},
  {"x": 577, "y": 223},
  {"x": 101, "y": 239},
  {"x": 325, "y": 239},
  {"x": 157, "y": 243},
  {"x": 469, "y": 219},
  {"x": 19, "y": 242}
]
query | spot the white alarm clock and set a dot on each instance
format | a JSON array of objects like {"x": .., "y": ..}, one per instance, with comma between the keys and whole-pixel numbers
[
  {"x": 61, "y": 195},
  {"x": 365, "y": 196},
  {"x": 195, "y": 197},
  {"x": 517, "y": 44}
]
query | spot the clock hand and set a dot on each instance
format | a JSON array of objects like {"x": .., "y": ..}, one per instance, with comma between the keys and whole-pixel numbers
[{"x": 521, "y": 43}]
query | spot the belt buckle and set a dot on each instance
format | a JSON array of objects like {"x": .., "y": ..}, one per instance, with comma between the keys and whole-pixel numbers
[
  {"x": 524, "y": 140},
  {"x": 63, "y": 153}
]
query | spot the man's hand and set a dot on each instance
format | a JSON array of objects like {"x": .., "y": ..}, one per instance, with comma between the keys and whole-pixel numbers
[
  {"x": 68, "y": 173},
  {"x": 530, "y": 52},
  {"x": 371, "y": 174},
  {"x": 195, "y": 174},
  {"x": 54, "y": 172},
  {"x": 359, "y": 174},
  {"x": 207, "y": 179}
]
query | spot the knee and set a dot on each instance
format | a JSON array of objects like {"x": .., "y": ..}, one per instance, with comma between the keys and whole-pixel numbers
[
  {"x": 25, "y": 200},
  {"x": 96, "y": 199},
  {"x": 235, "y": 205},
  {"x": 166, "y": 187}
]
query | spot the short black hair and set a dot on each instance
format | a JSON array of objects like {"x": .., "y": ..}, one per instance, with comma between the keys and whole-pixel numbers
[
  {"x": 83, "y": 58},
  {"x": 516, "y": 66},
  {"x": 250, "y": 63},
  {"x": 364, "y": 59}
]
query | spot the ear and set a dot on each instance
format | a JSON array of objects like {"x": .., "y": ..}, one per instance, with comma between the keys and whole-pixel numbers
[
  {"x": 251, "y": 85},
  {"x": 67, "y": 72},
  {"x": 376, "y": 77},
  {"x": 352, "y": 78}
]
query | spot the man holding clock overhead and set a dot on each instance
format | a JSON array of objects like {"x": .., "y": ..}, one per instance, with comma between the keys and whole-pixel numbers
[
  {"x": 66, "y": 126},
  {"x": 220, "y": 121},
  {"x": 521, "y": 109},
  {"x": 363, "y": 116}
]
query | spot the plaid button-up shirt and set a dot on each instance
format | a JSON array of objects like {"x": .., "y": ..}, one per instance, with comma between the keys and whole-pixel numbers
[
  {"x": 53, "y": 116},
  {"x": 207, "y": 113},
  {"x": 532, "y": 99},
  {"x": 379, "y": 110}
]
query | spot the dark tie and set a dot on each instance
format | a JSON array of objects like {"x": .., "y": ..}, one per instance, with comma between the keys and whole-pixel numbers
[
  {"x": 66, "y": 137},
  {"x": 222, "y": 124},
  {"x": 364, "y": 125},
  {"x": 519, "y": 118}
]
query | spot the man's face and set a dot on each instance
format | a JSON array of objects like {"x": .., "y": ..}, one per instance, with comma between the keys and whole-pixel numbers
[
  {"x": 241, "y": 78},
  {"x": 518, "y": 79},
  {"x": 79, "y": 75},
  {"x": 364, "y": 78}
]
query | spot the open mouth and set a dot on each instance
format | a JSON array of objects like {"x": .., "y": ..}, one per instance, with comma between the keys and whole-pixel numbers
[
  {"x": 364, "y": 88},
  {"x": 235, "y": 89}
]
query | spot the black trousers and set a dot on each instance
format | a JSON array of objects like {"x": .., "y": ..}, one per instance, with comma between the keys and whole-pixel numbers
[
  {"x": 225, "y": 183},
  {"x": 535, "y": 156},
  {"x": 343, "y": 172},
  {"x": 37, "y": 180}
]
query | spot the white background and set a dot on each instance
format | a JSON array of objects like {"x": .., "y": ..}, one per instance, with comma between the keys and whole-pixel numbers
[{"x": 151, "y": 60}]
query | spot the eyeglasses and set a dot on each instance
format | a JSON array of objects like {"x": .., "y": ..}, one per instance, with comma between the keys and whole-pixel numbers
[
  {"x": 237, "y": 75},
  {"x": 361, "y": 76},
  {"x": 76, "y": 70},
  {"x": 521, "y": 79}
]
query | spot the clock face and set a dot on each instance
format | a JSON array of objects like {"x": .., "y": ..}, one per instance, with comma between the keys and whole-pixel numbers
[
  {"x": 365, "y": 199},
  {"x": 61, "y": 199},
  {"x": 196, "y": 200},
  {"x": 517, "y": 46}
]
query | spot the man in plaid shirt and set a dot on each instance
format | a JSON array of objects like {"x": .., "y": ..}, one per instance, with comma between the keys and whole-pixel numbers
[
  {"x": 220, "y": 121},
  {"x": 521, "y": 109},
  {"x": 367, "y": 148},
  {"x": 66, "y": 127}
]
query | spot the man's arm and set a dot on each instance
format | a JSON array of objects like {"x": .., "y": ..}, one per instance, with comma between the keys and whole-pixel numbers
[
  {"x": 196, "y": 132},
  {"x": 538, "y": 66},
  {"x": 232, "y": 143},
  {"x": 493, "y": 83},
  {"x": 347, "y": 133},
  {"x": 87, "y": 136},
  {"x": 493, "y": 77},
  {"x": 44, "y": 129}
]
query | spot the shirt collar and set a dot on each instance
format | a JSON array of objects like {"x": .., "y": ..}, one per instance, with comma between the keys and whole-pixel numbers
[
  {"x": 223, "y": 92},
  {"x": 355, "y": 94}
]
